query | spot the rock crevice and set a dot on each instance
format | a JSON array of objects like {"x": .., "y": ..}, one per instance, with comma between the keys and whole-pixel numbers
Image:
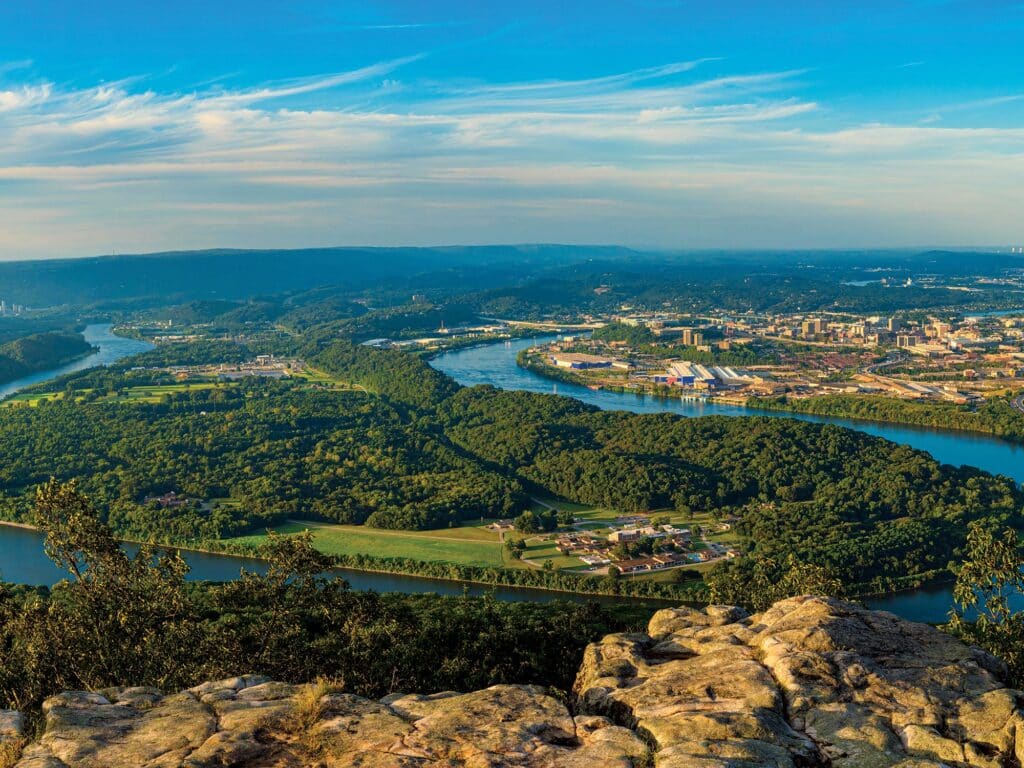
[{"x": 810, "y": 682}]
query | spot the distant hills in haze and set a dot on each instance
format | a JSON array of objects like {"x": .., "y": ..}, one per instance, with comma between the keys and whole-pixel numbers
[
  {"x": 242, "y": 274},
  {"x": 113, "y": 281}
]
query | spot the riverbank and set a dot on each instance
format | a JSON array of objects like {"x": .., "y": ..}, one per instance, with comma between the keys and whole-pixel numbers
[
  {"x": 106, "y": 348},
  {"x": 429, "y": 573},
  {"x": 996, "y": 418},
  {"x": 13, "y": 376},
  {"x": 529, "y": 362},
  {"x": 691, "y": 592}
]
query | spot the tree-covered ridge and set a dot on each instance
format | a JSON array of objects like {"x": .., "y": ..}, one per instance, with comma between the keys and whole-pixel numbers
[
  {"x": 274, "y": 450},
  {"x": 995, "y": 416},
  {"x": 39, "y": 352},
  {"x": 390, "y": 374}
]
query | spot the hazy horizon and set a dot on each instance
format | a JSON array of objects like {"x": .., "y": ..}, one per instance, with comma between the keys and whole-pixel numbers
[
  {"x": 642, "y": 250},
  {"x": 654, "y": 124}
]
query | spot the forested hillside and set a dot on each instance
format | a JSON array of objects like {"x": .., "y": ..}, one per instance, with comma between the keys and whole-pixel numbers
[
  {"x": 412, "y": 449},
  {"x": 39, "y": 352},
  {"x": 994, "y": 416},
  {"x": 268, "y": 450},
  {"x": 866, "y": 508}
]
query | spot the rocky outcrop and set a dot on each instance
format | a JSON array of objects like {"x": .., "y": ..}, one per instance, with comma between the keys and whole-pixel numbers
[
  {"x": 251, "y": 721},
  {"x": 810, "y": 682}
]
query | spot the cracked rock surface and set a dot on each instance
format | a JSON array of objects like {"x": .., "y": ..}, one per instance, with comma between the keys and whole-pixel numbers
[
  {"x": 809, "y": 682},
  {"x": 250, "y": 721}
]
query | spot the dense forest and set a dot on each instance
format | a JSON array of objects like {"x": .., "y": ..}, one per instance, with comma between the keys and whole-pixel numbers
[
  {"x": 270, "y": 451},
  {"x": 416, "y": 450},
  {"x": 995, "y": 416},
  {"x": 39, "y": 352}
]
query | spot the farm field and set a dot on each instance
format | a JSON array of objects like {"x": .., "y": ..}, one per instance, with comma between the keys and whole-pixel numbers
[{"x": 469, "y": 545}]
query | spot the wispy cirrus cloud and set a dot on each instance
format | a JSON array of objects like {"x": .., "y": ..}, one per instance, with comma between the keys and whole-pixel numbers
[{"x": 350, "y": 157}]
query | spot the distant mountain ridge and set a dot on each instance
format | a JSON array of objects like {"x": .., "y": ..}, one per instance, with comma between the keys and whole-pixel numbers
[{"x": 242, "y": 274}]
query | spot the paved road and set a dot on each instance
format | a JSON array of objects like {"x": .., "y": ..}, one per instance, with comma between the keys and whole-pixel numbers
[
  {"x": 1018, "y": 402},
  {"x": 887, "y": 363}
]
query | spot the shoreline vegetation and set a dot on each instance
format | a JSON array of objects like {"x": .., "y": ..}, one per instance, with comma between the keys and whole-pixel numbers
[
  {"x": 540, "y": 580},
  {"x": 692, "y": 592},
  {"x": 40, "y": 352},
  {"x": 996, "y": 417}
]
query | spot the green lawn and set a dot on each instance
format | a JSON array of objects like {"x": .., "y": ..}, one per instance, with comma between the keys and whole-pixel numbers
[
  {"x": 140, "y": 394},
  {"x": 154, "y": 393},
  {"x": 541, "y": 551},
  {"x": 470, "y": 545}
]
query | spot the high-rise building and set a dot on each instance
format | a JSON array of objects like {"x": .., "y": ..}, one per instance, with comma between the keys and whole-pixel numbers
[
  {"x": 906, "y": 340},
  {"x": 692, "y": 338},
  {"x": 812, "y": 326},
  {"x": 894, "y": 324}
]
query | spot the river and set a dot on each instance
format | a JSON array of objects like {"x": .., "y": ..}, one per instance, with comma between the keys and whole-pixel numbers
[
  {"x": 22, "y": 560},
  {"x": 21, "y": 553},
  {"x": 110, "y": 349},
  {"x": 496, "y": 364}
]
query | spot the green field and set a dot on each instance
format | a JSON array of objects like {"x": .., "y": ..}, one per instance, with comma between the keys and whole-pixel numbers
[
  {"x": 141, "y": 394},
  {"x": 542, "y": 549},
  {"x": 155, "y": 393},
  {"x": 474, "y": 544},
  {"x": 470, "y": 545}
]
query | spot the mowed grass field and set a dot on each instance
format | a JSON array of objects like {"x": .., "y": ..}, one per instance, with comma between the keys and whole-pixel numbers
[
  {"x": 155, "y": 393},
  {"x": 469, "y": 545},
  {"x": 141, "y": 394}
]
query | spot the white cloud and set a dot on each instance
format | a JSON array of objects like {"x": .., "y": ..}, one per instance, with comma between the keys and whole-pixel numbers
[
  {"x": 23, "y": 97},
  {"x": 600, "y": 158}
]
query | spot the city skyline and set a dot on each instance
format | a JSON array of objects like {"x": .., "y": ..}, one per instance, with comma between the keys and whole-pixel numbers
[{"x": 653, "y": 124}]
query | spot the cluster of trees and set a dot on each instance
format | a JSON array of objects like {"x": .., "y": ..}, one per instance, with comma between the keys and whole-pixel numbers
[
  {"x": 994, "y": 417},
  {"x": 39, "y": 352},
  {"x": 547, "y": 519},
  {"x": 634, "y": 335},
  {"x": 989, "y": 586},
  {"x": 272, "y": 449},
  {"x": 134, "y": 619},
  {"x": 389, "y": 374}
]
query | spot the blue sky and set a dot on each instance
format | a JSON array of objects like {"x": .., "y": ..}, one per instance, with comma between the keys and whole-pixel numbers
[{"x": 131, "y": 126}]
